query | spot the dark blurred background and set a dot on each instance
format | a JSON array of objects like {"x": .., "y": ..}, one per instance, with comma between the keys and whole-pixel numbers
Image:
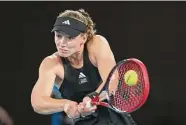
[{"x": 154, "y": 32}]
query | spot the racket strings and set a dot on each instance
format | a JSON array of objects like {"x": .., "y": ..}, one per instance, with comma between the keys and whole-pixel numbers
[{"x": 127, "y": 98}]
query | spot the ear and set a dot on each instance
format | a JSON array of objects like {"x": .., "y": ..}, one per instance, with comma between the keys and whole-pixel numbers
[{"x": 84, "y": 36}]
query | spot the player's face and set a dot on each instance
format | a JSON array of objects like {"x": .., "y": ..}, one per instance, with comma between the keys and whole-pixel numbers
[{"x": 67, "y": 45}]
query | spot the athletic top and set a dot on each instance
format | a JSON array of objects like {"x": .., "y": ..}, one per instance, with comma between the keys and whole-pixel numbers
[{"x": 79, "y": 82}]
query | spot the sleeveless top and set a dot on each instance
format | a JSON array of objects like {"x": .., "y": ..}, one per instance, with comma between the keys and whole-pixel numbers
[{"x": 79, "y": 82}]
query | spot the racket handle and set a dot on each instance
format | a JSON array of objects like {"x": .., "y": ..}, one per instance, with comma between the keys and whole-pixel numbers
[{"x": 103, "y": 96}]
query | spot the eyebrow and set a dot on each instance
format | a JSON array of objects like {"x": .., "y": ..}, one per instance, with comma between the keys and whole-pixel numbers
[{"x": 62, "y": 33}]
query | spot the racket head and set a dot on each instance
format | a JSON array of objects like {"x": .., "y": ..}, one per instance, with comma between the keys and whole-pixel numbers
[{"x": 126, "y": 98}]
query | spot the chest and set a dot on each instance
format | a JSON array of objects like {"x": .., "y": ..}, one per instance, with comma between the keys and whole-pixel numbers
[
  {"x": 79, "y": 82},
  {"x": 85, "y": 77},
  {"x": 75, "y": 71}
]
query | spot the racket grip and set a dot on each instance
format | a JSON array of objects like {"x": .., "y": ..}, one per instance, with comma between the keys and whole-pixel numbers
[{"x": 103, "y": 96}]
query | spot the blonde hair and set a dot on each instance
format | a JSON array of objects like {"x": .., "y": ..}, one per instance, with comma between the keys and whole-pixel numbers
[{"x": 83, "y": 16}]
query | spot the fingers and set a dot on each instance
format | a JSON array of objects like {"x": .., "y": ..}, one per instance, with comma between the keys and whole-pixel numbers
[
  {"x": 81, "y": 107},
  {"x": 73, "y": 114},
  {"x": 72, "y": 110},
  {"x": 88, "y": 104},
  {"x": 86, "y": 99},
  {"x": 84, "y": 111},
  {"x": 93, "y": 108}
]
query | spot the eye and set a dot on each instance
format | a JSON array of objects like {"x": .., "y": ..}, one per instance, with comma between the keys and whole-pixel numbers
[
  {"x": 70, "y": 38},
  {"x": 59, "y": 36}
]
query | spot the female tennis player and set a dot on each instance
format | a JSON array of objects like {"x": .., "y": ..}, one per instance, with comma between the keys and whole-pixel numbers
[{"x": 79, "y": 68}]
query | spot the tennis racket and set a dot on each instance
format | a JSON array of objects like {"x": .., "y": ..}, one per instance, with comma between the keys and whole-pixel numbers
[{"x": 122, "y": 97}]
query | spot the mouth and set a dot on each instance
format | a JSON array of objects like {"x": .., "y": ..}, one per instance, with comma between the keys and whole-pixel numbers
[{"x": 63, "y": 51}]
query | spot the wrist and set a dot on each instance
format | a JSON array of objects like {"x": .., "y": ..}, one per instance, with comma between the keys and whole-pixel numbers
[
  {"x": 92, "y": 95},
  {"x": 65, "y": 104}
]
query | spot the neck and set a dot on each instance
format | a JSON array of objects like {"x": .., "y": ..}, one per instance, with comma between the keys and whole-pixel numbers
[{"x": 77, "y": 58}]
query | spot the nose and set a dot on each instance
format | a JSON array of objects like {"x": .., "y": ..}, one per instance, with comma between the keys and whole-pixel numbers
[{"x": 62, "y": 42}]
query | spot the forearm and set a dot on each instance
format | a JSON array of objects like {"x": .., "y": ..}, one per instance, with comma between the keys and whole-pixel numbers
[{"x": 47, "y": 105}]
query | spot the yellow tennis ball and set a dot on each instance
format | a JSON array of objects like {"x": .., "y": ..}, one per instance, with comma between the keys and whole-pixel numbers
[{"x": 131, "y": 78}]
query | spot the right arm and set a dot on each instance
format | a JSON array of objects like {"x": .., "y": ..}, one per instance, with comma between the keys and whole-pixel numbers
[{"x": 41, "y": 101}]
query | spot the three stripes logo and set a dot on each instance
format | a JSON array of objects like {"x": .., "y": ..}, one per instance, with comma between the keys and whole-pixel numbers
[
  {"x": 67, "y": 22},
  {"x": 81, "y": 75},
  {"x": 82, "y": 78}
]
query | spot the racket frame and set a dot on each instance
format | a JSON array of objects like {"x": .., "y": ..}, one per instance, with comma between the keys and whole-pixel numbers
[{"x": 97, "y": 101}]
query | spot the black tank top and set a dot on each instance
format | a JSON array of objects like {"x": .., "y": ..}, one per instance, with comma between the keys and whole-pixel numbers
[{"x": 79, "y": 82}]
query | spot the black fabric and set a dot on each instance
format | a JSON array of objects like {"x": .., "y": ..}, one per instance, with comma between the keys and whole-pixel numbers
[
  {"x": 92, "y": 94},
  {"x": 75, "y": 88},
  {"x": 120, "y": 119},
  {"x": 105, "y": 116},
  {"x": 69, "y": 26},
  {"x": 99, "y": 117}
]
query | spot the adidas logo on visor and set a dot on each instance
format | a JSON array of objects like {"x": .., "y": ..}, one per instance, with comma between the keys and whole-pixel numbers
[{"x": 67, "y": 22}]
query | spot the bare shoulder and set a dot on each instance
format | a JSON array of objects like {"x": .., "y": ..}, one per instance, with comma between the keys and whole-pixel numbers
[
  {"x": 98, "y": 44},
  {"x": 50, "y": 62},
  {"x": 98, "y": 40}
]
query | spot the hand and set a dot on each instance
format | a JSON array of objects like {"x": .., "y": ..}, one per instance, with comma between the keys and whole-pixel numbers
[
  {"x": 71, "y": 109},
  {"x": 83, "y": 109}
]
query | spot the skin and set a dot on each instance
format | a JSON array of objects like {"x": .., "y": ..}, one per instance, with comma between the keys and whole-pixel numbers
[
  {"x": 4, "y": 117},
  {"x": 51, "y": 70}
]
